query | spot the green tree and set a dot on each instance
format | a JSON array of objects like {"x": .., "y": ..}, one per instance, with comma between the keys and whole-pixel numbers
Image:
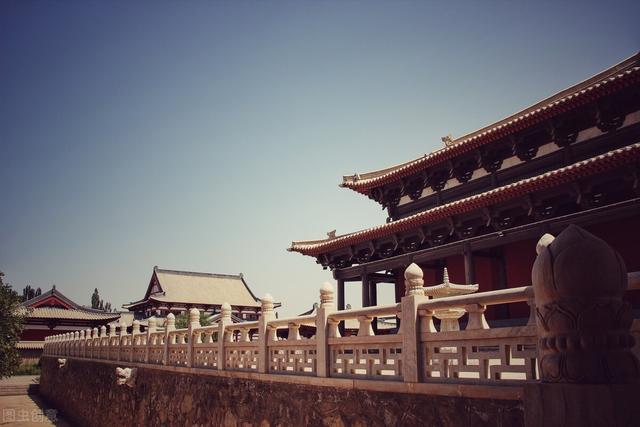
[
  {"x": 95, "y": 299},
  {"x": 28, "y": 293},
  {"x": 182, "y": 320},
  {"x": 10, "y": 327}
]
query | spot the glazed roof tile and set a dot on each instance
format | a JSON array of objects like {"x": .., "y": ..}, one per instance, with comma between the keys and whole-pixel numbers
[
  {"x": 615, "y": 78},
  {"x": 186, "y": 287},
  {"x": 30, "y": 345},
  {"x": 592, "y": 166},
  {"x": 71, "y": 314}
]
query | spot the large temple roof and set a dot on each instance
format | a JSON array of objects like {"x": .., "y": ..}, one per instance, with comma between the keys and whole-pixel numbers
[
  {"x": 186, "y": 287},
  {"x": 602, "y": 84},
  {"x": 592, "y": 166}
]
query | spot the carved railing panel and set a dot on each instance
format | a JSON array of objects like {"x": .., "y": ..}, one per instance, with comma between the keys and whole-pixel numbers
[
  {"x": 205, "y": 348},
  {"x": 156, "y": 347},
  {"x": 293, "y": 357},
  {"x": 114, "y": 348},
  {"x": 486, "y": 355},
  {"x": 177, "y": 348},
  {"x": 139, "y": 348},
  {"x": 104, "y": 348},
  {"x": 372, "y": 357},
  {"x": 241, "y": 356}
]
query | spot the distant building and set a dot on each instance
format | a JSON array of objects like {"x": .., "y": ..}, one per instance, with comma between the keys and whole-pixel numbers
[
  {"x": 52, "y": 313},
  {"x": 171, "y": 291}
]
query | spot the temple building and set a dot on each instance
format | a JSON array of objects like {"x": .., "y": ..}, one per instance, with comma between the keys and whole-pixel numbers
[
  {"x": 171, "y": 291},
  {"x": 52, "y": 313},
  {"x": 478, "y": 205}
]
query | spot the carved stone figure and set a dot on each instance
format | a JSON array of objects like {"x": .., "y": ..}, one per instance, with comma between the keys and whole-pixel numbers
[
  {"x": 126, "y": 376},
  {"x": 583, "y": 323}
]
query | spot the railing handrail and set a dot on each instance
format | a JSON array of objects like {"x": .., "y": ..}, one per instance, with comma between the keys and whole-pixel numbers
[
  {"x": 327, "y": 353},
  {"x": 501, "y": 296},
  {"x": 373, "y": 311},
  {"x": 286, "y": 321}
]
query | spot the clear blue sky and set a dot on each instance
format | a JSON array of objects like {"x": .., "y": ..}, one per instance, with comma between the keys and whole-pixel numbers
[{"x": 207, "y": 135}]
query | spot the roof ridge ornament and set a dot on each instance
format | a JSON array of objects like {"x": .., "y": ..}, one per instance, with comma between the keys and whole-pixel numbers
[{"x": 448, "y": 140}]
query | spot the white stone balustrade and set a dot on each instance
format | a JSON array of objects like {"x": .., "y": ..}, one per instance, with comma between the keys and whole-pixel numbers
[{"x": 415, "y": 352}]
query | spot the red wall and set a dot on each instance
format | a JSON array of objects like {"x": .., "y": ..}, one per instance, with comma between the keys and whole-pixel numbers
[{"x": 624, "y": 237}]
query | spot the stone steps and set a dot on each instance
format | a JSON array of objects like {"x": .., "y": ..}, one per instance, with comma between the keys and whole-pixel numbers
[{"x": 18, "y": 389}]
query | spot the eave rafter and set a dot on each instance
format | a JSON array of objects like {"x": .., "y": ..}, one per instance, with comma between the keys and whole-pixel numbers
[
  {"x": 537, "y": 198},
  {"x": 599, "y": 102}
]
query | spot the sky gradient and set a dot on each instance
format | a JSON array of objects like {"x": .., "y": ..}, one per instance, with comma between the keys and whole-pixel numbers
[{"x": 206, "y": 136}]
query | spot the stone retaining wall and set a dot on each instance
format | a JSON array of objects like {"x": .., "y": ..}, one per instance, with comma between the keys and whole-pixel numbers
[{"x": 86, "y": 393}]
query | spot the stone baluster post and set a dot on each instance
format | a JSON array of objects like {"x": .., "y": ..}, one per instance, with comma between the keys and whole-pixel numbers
[
  {"x": 135, "y": 339},
  {"x": 122, "y": 338},
  {"x": 81, "y": 342},
  {"x": 225, "y": 320},
  {"x": 95, "y": 342},
  {"x": 294, "y": 332},
  {"x": 103, "y": 340},
  {"x": 263, "y": 334},
  {"x": 409, "y": 327},
  {"x": 589, "y": 376},
  {"x": 327, "y": 306},
  {"x": 476, "y": 317},
  {"x": 194, "y": 323},
  {"x": 152, "y": 326},
  {"x": 364, "y": 326},
  {"x": 76, "y": 343},
  {"x": 170, "y": 327},
  {"x": 113, "y": 338},
  {"x": 87, "y": 347}
]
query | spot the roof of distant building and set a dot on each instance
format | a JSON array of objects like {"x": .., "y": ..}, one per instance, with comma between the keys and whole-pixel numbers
[
  {"x": 55, "y": 305},
  {"x": 187, "y": 287}
]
